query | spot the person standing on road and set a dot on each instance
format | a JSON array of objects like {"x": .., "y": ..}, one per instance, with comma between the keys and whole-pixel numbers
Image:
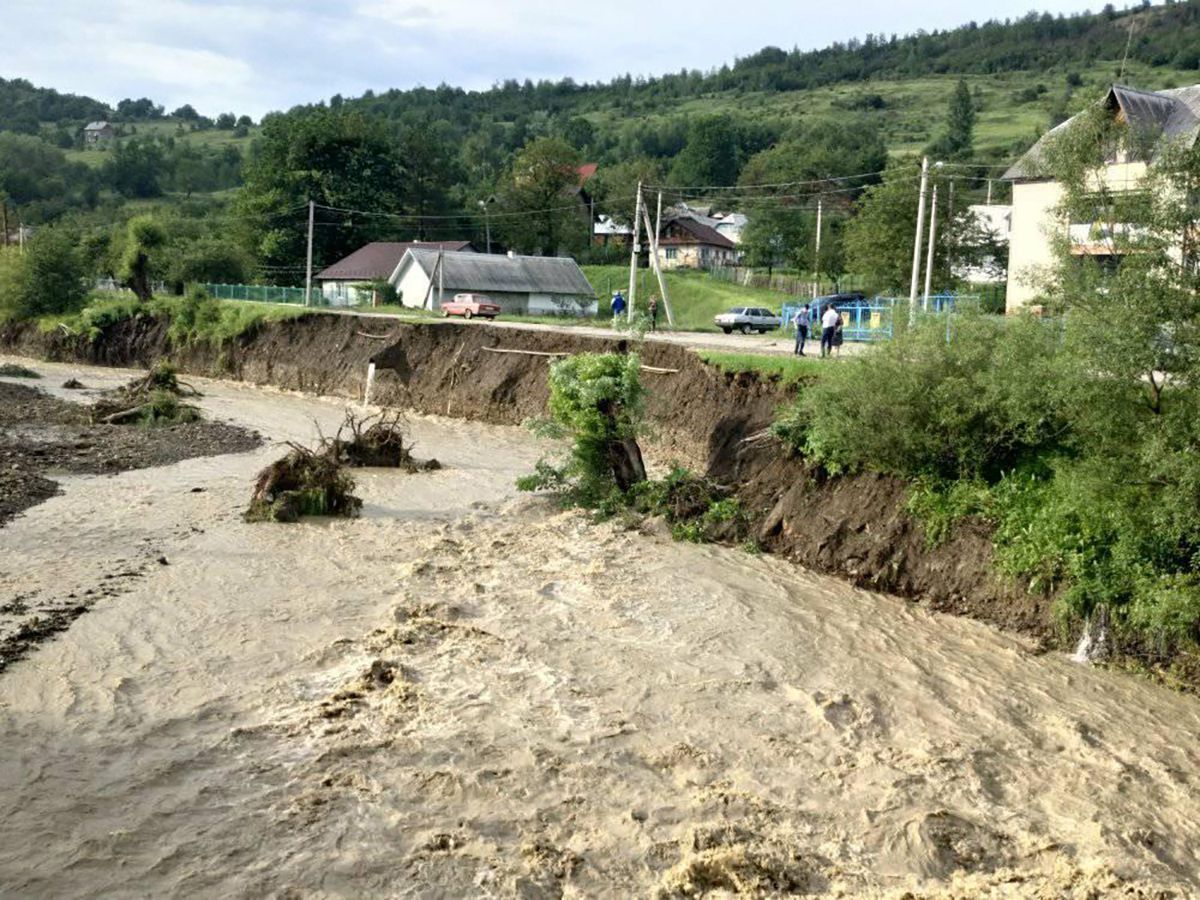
[
  {"x": 801, "y": 320},
  {"x": 837, "y": 333},
  {"x": 618, "y": 304},
  {"x": 829, "y": 325},
  {"x": 654, "y": 314}
]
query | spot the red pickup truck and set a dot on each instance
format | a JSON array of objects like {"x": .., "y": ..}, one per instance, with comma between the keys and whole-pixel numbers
[{"x": 470, "y": 305}]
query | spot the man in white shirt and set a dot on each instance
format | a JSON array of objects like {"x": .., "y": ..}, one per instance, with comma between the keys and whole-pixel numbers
[{"x": 829, "y": 323}]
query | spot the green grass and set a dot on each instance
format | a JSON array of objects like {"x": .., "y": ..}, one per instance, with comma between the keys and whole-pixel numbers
[
  {"x": 695, "y": 297},
  {"x": 788, "y": 369},
  {"x": 215, "y": 322},
  {"x": 915, "y": 108},
  {"x": 204, "y": 140}
]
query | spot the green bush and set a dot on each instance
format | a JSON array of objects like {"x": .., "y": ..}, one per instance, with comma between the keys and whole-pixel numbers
[
  {"x": 966, "y": 397},
  {"x": 596, "y": 399},
  {"x": 47, "y": 279}
]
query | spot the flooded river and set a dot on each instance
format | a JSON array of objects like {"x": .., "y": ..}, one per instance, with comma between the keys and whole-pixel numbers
[{"x": 470, "y": 693}]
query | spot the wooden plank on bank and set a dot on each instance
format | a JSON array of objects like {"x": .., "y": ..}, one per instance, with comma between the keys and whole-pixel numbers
[{"x": 523, "y": 352}]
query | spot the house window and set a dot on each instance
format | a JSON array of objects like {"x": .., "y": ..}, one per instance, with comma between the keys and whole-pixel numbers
[{"x": 672, "y": 253}]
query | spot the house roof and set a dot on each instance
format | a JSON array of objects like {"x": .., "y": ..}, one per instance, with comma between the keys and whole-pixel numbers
[
  {"x": 1175, "y": 113},
  {"x": 698, "y": 232},
  {"x": 96, "y": 126},
  {"x": 586, "y": 172},
  {"x": 462, "y": 272},
  {"x": 379, "y": 260}
]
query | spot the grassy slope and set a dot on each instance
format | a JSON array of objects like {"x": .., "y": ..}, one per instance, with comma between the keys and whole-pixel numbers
[
  {"x": 695, "y": 298},
  {"x": 203, "y": 140},
  {"x": 915, "y": 108}
]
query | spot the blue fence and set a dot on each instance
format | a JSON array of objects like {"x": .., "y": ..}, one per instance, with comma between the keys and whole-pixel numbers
[{"x": 871, "y": 319}]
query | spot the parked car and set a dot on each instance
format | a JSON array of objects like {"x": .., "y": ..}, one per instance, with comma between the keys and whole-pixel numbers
[
  {"x": 748, "y": 319},
  {"x": 470, "y": 305}
]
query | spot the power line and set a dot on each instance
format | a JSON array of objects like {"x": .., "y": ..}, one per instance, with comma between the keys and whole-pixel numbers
[{"x": 738, "y": 187}]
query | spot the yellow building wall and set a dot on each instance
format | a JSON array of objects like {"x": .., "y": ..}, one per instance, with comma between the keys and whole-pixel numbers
[{"x": 1035, "y": 227}]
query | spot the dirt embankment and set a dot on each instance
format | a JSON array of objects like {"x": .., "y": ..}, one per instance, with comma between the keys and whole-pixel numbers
[{"x": 852, "y": 527}]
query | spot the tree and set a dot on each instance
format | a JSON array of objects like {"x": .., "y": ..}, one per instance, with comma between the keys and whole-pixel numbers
[
  {"x": 226, "y": 121},
  {"x": 539, "y": 207},
  {"x": 52, "y": 278},
  {"x": 879, "y": 237},
  {"x": 614, "y": 188},
  {"x": 135, "y": 168},
  {"x": 433, "y": 171},
  {"x": 187, "y": 113},
  {"x": 782, "y": 220},
  {"x": 710, "y": 156},
  {"x": 957, "y": 142},
  {"x": 209, "y": 260},
  {"x": 337, "y": 158},
  {"x": 144, "y": 238}
]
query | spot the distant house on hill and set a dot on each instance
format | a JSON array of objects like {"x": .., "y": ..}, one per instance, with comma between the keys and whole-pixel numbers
[
  {"x": 522, "y": 285},
  {"x": 347, "y": 282},
  {"x": 95, "y": 133},
  {"x": 606, "y": 231},
  {"x": 1172, "y": 117},
  {"x": 687, "y": 242}
]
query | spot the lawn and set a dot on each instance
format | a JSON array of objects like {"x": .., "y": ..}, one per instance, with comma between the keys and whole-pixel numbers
[
  {"x": 695, "y": 297},
  {"x": 788, "y": 369}
]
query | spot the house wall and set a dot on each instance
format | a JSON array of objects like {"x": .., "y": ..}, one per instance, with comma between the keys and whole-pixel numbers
[
  {"x": 1031, "y": 241},
  {"x": 1035, "y": 227},
  {"x": 414, "y": 283},
  {"x": 695, "y": 256}
]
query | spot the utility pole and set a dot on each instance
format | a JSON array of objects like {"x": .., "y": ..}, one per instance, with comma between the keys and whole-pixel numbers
[
  {"x": 308, "y": 264},
  {"x": 916, "y": 264},
  {"x": 637, "y": 248},
  {"x": 989, "y": 199},
  {"x": 950, "y": 234},
  {"x": 932, "y": 244},
  {"x": 656, "y": 263},
  {"x": 817, "y": 254},
  {"x": 4, "y": 206}
]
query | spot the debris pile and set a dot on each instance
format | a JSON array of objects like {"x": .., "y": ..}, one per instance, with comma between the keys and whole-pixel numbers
[
  {"x": 303, "y": 483},
  {"x": 153, "y": 399},
  {"x": 377, "y": 440},
  {"x": 315, "y": 482}
]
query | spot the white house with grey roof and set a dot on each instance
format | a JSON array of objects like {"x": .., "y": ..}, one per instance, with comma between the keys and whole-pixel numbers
[
  {"x": 1171, "y": 116},
  {"x": 522, "y": 285}
]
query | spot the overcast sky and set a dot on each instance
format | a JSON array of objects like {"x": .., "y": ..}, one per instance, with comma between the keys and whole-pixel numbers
[{"x": 251, "y": 56}]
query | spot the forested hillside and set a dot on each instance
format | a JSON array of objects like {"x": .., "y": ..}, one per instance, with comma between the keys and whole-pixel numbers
[{"x": 976, "y": 96}]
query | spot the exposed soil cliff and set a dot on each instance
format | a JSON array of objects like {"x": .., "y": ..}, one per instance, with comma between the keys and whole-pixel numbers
[{"x": 853, "y": 527}]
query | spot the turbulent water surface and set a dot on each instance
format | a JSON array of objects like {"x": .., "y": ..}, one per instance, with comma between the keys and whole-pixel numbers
[{"x": 469, "y": 693}]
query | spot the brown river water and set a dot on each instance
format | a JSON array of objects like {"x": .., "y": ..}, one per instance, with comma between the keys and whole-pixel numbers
[{"x": 470, "y": 693}]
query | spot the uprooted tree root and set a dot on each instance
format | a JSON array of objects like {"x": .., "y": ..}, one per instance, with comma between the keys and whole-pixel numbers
[
  {"x": 153, "y": 399},
  {"x": 303, "y": 483},
  {"x": 378, "y": 440},
  {"x": 316, "y": 483}
]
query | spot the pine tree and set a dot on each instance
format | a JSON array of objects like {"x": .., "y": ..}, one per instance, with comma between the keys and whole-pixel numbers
[{"x": 960, "y": 123}]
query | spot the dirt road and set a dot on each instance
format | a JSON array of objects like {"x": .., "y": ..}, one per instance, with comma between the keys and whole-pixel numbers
[{"x": 467, "y": 693}]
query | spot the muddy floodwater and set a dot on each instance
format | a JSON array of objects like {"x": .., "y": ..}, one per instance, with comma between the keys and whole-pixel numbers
[{"x": 470, "y": 693}]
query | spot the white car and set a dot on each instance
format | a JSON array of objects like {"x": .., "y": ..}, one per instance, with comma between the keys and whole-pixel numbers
[{"x": 747, "y": 320}]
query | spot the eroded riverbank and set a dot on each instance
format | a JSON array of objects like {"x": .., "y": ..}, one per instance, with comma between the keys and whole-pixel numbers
[{"x": 468, "y": 693}]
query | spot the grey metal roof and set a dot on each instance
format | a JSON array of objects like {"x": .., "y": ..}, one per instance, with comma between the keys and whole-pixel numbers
[
  {"x": 1174, "y": 112},
  {"x": 503, "y": 274},
  {"x": 95, "y": 126},
  {"x": 379, "y": 259}
]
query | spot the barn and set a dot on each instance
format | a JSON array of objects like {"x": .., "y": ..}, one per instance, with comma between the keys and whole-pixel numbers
[{"x": 522, "y": 285}]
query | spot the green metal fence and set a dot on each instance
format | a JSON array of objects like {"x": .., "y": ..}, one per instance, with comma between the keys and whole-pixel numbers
[{"x": 261, "y": 293}]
